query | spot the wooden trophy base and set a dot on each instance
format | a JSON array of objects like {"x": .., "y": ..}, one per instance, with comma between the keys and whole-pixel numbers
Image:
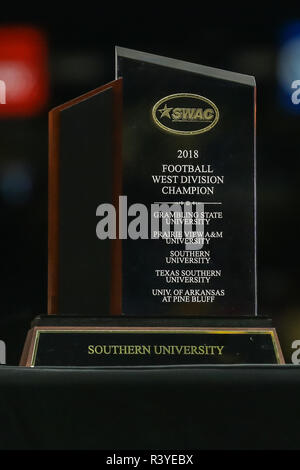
[{"x": 65, "y": 341}]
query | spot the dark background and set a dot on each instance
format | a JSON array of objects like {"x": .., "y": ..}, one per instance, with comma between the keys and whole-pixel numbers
[{"x": 81, "y": 57}]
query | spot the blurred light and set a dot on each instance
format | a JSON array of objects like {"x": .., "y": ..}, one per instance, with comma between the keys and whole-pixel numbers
[
  {"x": 24, "y": 70},
  {"x": 16, "y": 184},
  {"x": 289, "y": 65}
]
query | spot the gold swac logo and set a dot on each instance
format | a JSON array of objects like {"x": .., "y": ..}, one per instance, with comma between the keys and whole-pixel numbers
[{"x": 185, "y": 114}]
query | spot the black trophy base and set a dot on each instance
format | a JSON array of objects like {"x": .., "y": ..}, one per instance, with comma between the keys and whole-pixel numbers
[{"x": 66, "y": 341}]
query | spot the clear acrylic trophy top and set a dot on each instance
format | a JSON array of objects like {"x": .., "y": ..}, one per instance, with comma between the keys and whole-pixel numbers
[{"x": 189, "y": 140}]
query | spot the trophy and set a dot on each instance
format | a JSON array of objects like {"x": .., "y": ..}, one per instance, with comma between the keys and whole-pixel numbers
[{"x": 152, "y": 222}]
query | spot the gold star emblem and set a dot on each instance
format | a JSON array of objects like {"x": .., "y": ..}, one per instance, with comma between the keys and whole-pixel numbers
[{"x": 165, "y": 111}]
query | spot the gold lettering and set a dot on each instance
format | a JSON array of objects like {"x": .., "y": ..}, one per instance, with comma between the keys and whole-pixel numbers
[
  {"x": 169, "y": 349},
  {"x": 199, "y": 114},
  {"x": 188, "y": 113},
  {"x": 192, "y": 114},
  {"x": 208, "y": 114},
  {"x": 176, "y": 114},
  {"x": 178, "y": 349},
  {"x": 98, "y": 349},
  {"x": 166, "y": 349}
]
